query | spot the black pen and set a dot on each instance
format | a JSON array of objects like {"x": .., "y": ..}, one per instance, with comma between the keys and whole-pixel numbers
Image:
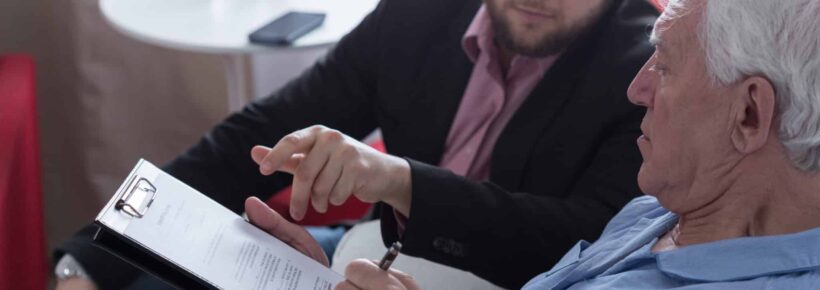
[{"x": 391, "y": 255}]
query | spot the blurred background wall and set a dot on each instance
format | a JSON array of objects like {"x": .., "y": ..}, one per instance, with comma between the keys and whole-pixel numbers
[{"x": 106, "y": 100}]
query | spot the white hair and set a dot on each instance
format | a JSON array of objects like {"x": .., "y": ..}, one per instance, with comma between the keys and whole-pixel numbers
[{"x": 779, "y": 40}]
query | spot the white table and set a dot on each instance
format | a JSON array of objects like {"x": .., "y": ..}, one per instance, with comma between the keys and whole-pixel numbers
[{"x": 222, "y": 27}]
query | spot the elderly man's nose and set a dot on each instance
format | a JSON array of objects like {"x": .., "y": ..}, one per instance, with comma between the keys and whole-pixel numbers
[{"x": 642, "y": 89}]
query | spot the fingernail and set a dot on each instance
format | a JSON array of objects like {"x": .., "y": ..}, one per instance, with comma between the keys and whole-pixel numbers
[
  {"x": 266, "y": 168},
  {"x": 295, "y": 215}
]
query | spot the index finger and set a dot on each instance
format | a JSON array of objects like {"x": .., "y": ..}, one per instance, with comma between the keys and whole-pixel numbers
[{"x": 297, "y": 142}]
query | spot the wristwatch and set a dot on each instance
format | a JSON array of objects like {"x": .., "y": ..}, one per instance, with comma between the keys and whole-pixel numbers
[{"x": 68, "y": 268}]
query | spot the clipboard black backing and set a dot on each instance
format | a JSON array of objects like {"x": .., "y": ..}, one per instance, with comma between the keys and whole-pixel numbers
[{"x": 147, "y": 261}]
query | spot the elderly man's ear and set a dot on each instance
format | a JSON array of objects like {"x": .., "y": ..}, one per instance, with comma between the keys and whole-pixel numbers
[{"x": 754, "y": 114}]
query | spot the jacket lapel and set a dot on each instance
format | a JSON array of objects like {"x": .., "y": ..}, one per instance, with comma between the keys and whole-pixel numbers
[
  {"x": 444, "y": 78},
  {"x": 516, "y": 143}
]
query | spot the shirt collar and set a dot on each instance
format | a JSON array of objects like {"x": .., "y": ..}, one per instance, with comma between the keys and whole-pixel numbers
[
  {"x": 477, "y": 35},
  {"x": 744, "y": 258}
]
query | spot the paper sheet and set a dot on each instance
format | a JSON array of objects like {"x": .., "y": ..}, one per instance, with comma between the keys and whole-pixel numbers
[{"x": 213, "y": 243}]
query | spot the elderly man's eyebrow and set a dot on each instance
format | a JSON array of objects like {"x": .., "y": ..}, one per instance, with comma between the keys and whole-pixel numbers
[
  {"x": 661, "y": 45},
  {"x": 654, "y": 39}
]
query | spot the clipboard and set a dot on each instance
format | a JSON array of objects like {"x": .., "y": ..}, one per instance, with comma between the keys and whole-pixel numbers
[
  {"x": 109, "y": 240},
  {"x": 146, "y": 221},
  {"x": 131, "y": 252}
]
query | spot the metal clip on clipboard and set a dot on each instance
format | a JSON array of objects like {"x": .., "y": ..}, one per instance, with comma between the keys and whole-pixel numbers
[{"x": 138, "y": 196}]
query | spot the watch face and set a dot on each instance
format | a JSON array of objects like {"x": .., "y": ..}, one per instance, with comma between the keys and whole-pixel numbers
[
  {"x": 65, "y": 273},
  {"x": 68, "y": 268}
]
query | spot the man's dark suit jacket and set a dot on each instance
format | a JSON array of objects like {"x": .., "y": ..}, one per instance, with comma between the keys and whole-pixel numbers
[{"x": 563, "y": 166}]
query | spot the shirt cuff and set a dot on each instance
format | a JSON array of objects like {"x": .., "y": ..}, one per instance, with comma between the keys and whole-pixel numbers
[{"x": 401, "y": 222}]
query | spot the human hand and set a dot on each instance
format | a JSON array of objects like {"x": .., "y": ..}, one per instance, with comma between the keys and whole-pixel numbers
[
  {"x": 362, "y": 274},
  {"x": 273, "y": 223},
  {"x": 76, "y": 284},
  {"x": 328, "y": 167}
]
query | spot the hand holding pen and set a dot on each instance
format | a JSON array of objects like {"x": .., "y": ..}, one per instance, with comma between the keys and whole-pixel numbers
[{"x": 363, "y": 274}]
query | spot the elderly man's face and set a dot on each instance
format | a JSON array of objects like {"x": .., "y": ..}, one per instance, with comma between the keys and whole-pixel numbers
[
  {"x": 541, "y": 27},
  {"x": 686, "y": 127}
]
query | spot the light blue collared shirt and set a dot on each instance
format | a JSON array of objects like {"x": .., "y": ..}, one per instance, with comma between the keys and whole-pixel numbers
[{"x": 622, "y": 258}]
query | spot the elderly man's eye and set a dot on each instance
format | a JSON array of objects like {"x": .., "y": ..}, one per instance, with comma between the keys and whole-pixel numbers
[{"x": 658, "y": 68}]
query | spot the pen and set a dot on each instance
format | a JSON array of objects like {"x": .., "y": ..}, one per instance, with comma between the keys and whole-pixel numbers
[{"x": 391, "y": 255}]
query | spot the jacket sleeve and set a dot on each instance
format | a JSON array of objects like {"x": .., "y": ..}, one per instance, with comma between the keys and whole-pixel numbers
[
  {"x": 509, "y": 237},
  {"x": 335, "y": 92}
]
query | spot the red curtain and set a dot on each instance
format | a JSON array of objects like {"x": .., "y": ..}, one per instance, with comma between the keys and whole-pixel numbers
[{"x": 22, "y": 242}]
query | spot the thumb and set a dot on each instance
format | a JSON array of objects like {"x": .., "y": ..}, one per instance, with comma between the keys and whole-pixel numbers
[
  {"x": 262, "y": 216},
  {"x": 408, "y": 281},
  {"x": 405, "y": 279},
  {"x": 273, "y": 223}
]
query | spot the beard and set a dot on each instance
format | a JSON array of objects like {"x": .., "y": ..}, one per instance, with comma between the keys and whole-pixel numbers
[{"x": 549, "y": 42}]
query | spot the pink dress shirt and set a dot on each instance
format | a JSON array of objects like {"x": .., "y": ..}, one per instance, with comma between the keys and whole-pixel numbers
[{"x": 490, "y": 100}]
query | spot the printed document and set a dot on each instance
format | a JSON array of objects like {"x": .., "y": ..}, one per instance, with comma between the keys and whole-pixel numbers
[{"x": 185, "y": 227}]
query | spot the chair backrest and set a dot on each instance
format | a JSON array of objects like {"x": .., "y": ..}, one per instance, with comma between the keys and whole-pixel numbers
[
  {"x": 22, "y": 241},
  {"x": 658, "y": 4}
]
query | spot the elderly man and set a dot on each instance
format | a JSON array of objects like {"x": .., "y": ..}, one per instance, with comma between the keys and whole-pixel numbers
[{"x": 730, "y": 146}]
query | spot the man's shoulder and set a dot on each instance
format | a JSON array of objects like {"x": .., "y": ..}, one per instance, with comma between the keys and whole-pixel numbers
[
  {"x": 410, "y": 27},
  {"x": 614, "y": 50},
  {"x": 810, "y": 279},
  {"x": 626, "y": 30},
  {"x": 423, "y": 13},
  {"x": 634, "y": 14},
  {"x": 613, "y": 53}
]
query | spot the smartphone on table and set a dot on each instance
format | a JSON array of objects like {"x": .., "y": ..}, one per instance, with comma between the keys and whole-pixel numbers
[{"x": 286, "y": 29}]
